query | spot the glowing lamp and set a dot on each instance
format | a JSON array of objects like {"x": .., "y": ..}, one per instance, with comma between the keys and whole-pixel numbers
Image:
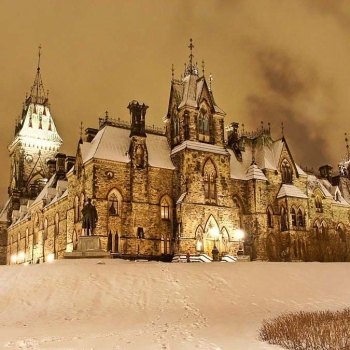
[
  {"x": 14, "y": 258},
  {"x": 50, "y": 258}
]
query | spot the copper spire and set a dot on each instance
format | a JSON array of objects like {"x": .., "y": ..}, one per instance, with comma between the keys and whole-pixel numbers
[{"x": 37, "y": 92}]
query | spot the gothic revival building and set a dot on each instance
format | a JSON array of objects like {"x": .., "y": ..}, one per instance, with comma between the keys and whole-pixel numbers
[{"x": 194, "y": 186}]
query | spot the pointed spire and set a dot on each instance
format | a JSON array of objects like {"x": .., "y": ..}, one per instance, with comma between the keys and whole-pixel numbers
[
  {"x": 172, "y": 71},
  {"x": 282, "y": 127},
  {"x": 203, "y": 66},
  {"x": 37, "y": 92},
  {"x": 81, "y": 133}
]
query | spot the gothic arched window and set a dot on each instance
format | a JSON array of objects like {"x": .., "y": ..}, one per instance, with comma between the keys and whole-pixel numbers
[
  {"x": 176, "y": 123},
  {"x": 286, "y": 172},
  {"x": 294, "y": 216},
  {"x": 114, "y": 203},
  {"x": 209, "y": 180},
  {"x": 76, "y": 209},
  {"x": 300, "y": 217},
  {"x": 318, "y": 204},
  {"x": 164, "y": 209}
]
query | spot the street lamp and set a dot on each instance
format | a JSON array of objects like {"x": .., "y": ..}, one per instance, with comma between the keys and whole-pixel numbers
[
  {"x": 240, "y": 236},
  {"x": 214, "y": 232}
]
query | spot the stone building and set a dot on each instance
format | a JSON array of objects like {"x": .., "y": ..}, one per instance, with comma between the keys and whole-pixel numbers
[{"x": 195, "y": 186}]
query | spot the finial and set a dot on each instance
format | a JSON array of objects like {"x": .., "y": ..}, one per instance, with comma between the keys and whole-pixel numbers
[
  {"x": 81, "y": 130},
  {"x": 203, "y": 67},
  {"x": 191, "y": 46},
  {"x": 106, "y": 118},
  {"x": 262, "y": 125},
  {"x": 347, "y": 146},
  {"x": 172, "y": 71},
  {"x": 185, "y": 70},
  {"x": 242, "y": 129},
  {"x": 210, "y": 81},
  {"x": 269, "y": 126},
  {"x": 282, "y": 127},
  {"x": 39, "y": 54}
]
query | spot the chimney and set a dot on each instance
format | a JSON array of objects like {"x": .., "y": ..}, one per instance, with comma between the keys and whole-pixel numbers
[
  {"x": 60, "y": 166},
  {"x": 326, "y": 172},
  {"x": 138, "y": 113},
  {"x": 70, "y": 161}
]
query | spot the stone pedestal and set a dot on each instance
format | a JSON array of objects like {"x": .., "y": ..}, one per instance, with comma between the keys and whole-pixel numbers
[{"x": 88, "y": 247}]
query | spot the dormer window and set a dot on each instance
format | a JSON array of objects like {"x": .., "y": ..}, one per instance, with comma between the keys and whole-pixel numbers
[
  {"x": 286, "y": 172},
  {"x": 164, "y": 209}
]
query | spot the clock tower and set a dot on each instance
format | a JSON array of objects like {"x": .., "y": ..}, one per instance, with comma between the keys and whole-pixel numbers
[{"x": 34, "y": 146}]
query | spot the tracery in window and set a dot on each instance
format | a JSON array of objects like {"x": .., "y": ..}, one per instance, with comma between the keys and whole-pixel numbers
[
  {"x": 114, "y": 203},
  {"x": 164, "y": 209},
  {"x": 286, "y": 172},
  {"x": 203, "y": 122},
  {"x": 209, "y": 180},
  {"x": 293, "y": 216}
]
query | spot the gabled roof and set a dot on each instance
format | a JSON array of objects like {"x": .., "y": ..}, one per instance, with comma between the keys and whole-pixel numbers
[
  {"x": 254, "y": 172},
  {"x": 199, "y": 146},
  {"x": 287, "y": 190},
  {"x": 3, "y": 213}
]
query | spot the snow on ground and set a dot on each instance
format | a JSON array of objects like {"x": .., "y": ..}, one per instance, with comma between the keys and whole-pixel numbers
[{"x": 116, "y": 304}]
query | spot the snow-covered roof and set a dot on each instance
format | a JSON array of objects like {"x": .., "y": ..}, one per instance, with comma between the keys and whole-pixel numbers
[
  {"x": 199, "y": 146},
  {"x": 254, "y": 172},
  {"x": 181, "y": 198},
  {"x": 287, "y": 190},
  {"x": 112, "y": 143},
  {"x": 3, "y": 213}
]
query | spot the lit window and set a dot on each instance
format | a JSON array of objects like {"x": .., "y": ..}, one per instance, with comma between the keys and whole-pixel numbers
[
  {"x": 164, "y": 209},
  {"x": 113, "y": 205}
]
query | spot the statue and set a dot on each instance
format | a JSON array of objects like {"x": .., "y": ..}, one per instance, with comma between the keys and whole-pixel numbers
[{"x": 89, "y": 218}]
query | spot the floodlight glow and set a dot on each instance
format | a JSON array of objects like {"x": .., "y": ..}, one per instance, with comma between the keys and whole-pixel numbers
[
  {"x": 14, "y": 258},
  {"x": 199, "y": 246},
  {"x": 239, "y": 234},
  {"x": 50, "y": 258},
  {"x": 21, "y": 256}
]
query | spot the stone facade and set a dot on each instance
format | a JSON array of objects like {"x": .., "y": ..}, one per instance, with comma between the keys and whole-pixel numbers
[{"x": 187, "y": 188}]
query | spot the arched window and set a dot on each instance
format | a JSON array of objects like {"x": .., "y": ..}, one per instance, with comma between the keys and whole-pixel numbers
[
  {"x": 164, "y": 209},
  {"x": 114, "y": 203},
  {"x": 109, "y": 242},
  {"x": 318, "y": 204},
  {"x": 209, "y": 180},
  {"x": 284, "y": 219},
  {"x": 286, "y": 172},
  {"x": 36, "y": 229},
  {"x": 269, "y": 217},
  {"x": 300, "y": 217},
  {"x": 294, "y": 216}
]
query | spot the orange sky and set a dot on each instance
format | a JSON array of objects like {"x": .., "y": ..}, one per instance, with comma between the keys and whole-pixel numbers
[{"x": 271, "y": 60}]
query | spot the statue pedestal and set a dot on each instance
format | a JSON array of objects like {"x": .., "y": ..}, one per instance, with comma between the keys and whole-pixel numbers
[{"x": 88, "y": 247}]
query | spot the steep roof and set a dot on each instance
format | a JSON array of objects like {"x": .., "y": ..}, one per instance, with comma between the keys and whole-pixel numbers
[
  {"x": 112, "y": 143},
  {"x": 288, "y": 190}
]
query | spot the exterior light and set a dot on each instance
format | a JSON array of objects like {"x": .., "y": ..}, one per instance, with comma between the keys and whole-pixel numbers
[
  {"x": 199, "y": 246},
  {"x": 50, "y": 258},
  {"x": 14, "y": 258},
  {"x": 21, "y": 256},
  {"x": 239, "y": 234}
]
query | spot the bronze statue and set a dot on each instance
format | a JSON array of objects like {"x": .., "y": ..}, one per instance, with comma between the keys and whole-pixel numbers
[{"x": 89, "y": 218}]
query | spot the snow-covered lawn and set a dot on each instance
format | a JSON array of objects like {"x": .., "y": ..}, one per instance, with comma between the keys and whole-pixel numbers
[{"x": 116, "y": 304}]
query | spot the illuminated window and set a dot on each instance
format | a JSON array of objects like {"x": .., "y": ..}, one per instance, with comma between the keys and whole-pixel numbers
[
  {"x": 45, "y": 229},
  {"x": 164, "y": 209}
]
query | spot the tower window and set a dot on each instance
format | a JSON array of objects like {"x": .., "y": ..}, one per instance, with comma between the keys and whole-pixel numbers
[
  {"x": 113, "y": 205},
  {"x": 286, "y": 172}
]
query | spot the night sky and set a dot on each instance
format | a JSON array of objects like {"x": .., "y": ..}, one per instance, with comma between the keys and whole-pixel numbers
[{"x": 272, "y": 61}]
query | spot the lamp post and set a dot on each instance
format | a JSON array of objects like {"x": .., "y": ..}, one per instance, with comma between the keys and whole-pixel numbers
[
  {"x": 214, "y": 232},
  {"x": 240, "y": 236}
]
